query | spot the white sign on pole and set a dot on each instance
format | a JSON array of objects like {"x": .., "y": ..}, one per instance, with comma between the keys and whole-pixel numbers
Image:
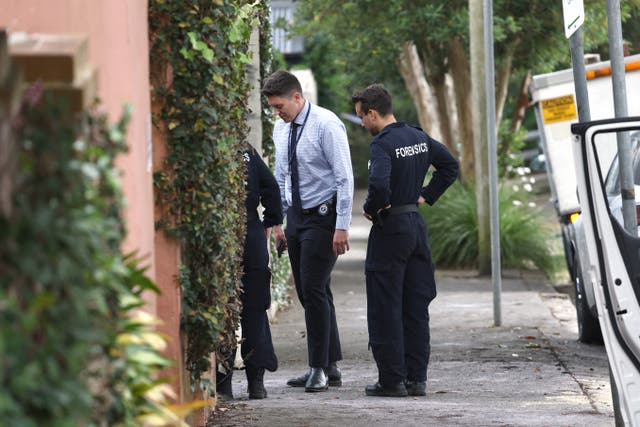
[{"x": 573, "y": 13}]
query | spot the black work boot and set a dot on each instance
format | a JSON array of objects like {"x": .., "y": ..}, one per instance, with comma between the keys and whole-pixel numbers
[
  {"x": 334, "y": 375},
  {"x": 255, "y": 378},
  {"x": 416, "y": 388},
  {"x": 224, "y": 388},
  {"x": 377, "y": 389}
]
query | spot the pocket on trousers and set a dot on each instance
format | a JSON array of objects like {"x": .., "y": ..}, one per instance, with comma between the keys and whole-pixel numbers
[
  {"x": 378, "y": 258},
  {"x": 396, "y": 224},
  {"x": 321, "y": 243},
  {"x": 377, "y": 266}
]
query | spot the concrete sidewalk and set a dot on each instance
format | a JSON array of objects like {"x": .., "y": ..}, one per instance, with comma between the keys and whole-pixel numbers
[{"x": 530, "y": 371}]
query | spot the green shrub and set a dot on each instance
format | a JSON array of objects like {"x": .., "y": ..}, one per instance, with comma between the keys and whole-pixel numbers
[
  {"x": 453, "y": 231},
  {"x": 71, "y": 352}
]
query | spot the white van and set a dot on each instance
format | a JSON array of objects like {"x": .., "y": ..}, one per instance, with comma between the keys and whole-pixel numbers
[{"x": 553, "y": 96}]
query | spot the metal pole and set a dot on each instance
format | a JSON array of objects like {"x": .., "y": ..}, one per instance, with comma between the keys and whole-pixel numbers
[
  {"x": 496, "y": 275},
  {"x": 620, "y": 108},
  {"x": 579, "y": 76}
]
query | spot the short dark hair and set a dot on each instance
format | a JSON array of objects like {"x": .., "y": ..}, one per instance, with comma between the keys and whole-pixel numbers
[
  {"x": 281, "y": 83},
  {"x": 373, "y": 97}
]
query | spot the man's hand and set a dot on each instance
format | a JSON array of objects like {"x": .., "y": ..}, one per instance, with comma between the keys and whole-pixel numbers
[
  {"x": 370, "y": 218},
  {"x": 340, "y": 242},
  {"x": 421, "y": 200},
  {"x": 278, "y": 235}
]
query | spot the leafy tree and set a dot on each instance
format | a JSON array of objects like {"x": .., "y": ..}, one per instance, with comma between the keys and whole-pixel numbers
[{"x": 426, "y": 42}]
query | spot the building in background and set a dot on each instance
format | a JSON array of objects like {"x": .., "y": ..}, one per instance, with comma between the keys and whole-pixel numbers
[{"x": 282, "y": 18}]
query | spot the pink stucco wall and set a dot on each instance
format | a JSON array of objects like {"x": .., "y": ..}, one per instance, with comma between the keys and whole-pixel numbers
[{"x": 119, "y": 49}]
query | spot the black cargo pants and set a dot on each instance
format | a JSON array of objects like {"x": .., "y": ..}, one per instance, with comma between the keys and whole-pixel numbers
[{"x": 400, "y": 286}]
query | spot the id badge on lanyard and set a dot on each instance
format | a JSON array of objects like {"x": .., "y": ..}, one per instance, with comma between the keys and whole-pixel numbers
[{"x": 288, "y": 190}]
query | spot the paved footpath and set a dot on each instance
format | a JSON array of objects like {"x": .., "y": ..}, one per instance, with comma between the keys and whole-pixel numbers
[{"x": 530, "y": 371}]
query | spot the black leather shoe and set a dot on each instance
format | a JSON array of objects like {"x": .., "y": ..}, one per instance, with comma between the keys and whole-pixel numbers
[
  {"x": 376, "y": 389},
  {"x": 298, "y": 381},
  {"x": 332, "y": 372},
  {"x": 317, "y": 381},
  {"x": 416, "y": 388}
]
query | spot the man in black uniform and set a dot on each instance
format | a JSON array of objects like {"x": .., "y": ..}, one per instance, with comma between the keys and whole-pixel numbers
[
  {"x": 257, "y": 347},
  {"x": 399, "y": 270}
]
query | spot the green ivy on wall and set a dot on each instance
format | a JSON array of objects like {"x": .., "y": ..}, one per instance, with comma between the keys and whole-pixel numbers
[
  {"x": 204, "y": 111},
  {"x": 266, "y": 68}
]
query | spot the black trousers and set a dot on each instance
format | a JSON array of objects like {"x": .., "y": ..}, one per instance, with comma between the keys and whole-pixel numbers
[
  {"x": 400, "y": 286},
  {"x": 257, "y": 346},
  {"x": 310, "y": 247}
]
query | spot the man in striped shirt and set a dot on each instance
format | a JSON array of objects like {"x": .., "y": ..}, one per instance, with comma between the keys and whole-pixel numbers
[{"x": 313, "y": 170}]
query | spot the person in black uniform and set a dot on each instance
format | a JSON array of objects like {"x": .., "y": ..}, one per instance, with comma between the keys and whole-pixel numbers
[
  {"x": 399, "y": 270},
  {"x": 257, "y": 347}
]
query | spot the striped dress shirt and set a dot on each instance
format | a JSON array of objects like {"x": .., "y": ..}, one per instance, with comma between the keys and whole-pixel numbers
[{"x": 324, "y": 161}]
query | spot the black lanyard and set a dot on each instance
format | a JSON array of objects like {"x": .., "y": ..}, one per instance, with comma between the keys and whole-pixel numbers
[{"x": 293, "y": 139}]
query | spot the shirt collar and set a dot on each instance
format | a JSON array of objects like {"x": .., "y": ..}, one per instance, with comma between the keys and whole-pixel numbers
[{"x": 299, "y": 120}]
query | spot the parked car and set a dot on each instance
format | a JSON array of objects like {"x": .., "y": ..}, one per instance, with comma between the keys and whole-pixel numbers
[
  {"x": 538, "y": 164},
  {"x": 612, "y": 183}
]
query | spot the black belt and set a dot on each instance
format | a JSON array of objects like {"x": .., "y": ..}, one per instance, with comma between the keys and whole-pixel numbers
[
  {"x": 323, "y": 209},
  {"x": 394, "y": 210}
]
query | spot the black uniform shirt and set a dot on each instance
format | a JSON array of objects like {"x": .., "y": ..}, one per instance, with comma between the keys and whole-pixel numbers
[
  {"x": 400, "y": 157},
  {"x": 262, "y": 188}
]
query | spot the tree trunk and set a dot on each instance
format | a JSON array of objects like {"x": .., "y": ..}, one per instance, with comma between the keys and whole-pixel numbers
[
  {"x": 479, "y": 100},
  {"x": 413, "y": 73},
  {"x": 523, "y": 102},
  {"x": 446, "y": 121},
  {"x": 502, "y": 85},
  {"x": 452, "y": 112},
  {"x": 460, "y": 74}
]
